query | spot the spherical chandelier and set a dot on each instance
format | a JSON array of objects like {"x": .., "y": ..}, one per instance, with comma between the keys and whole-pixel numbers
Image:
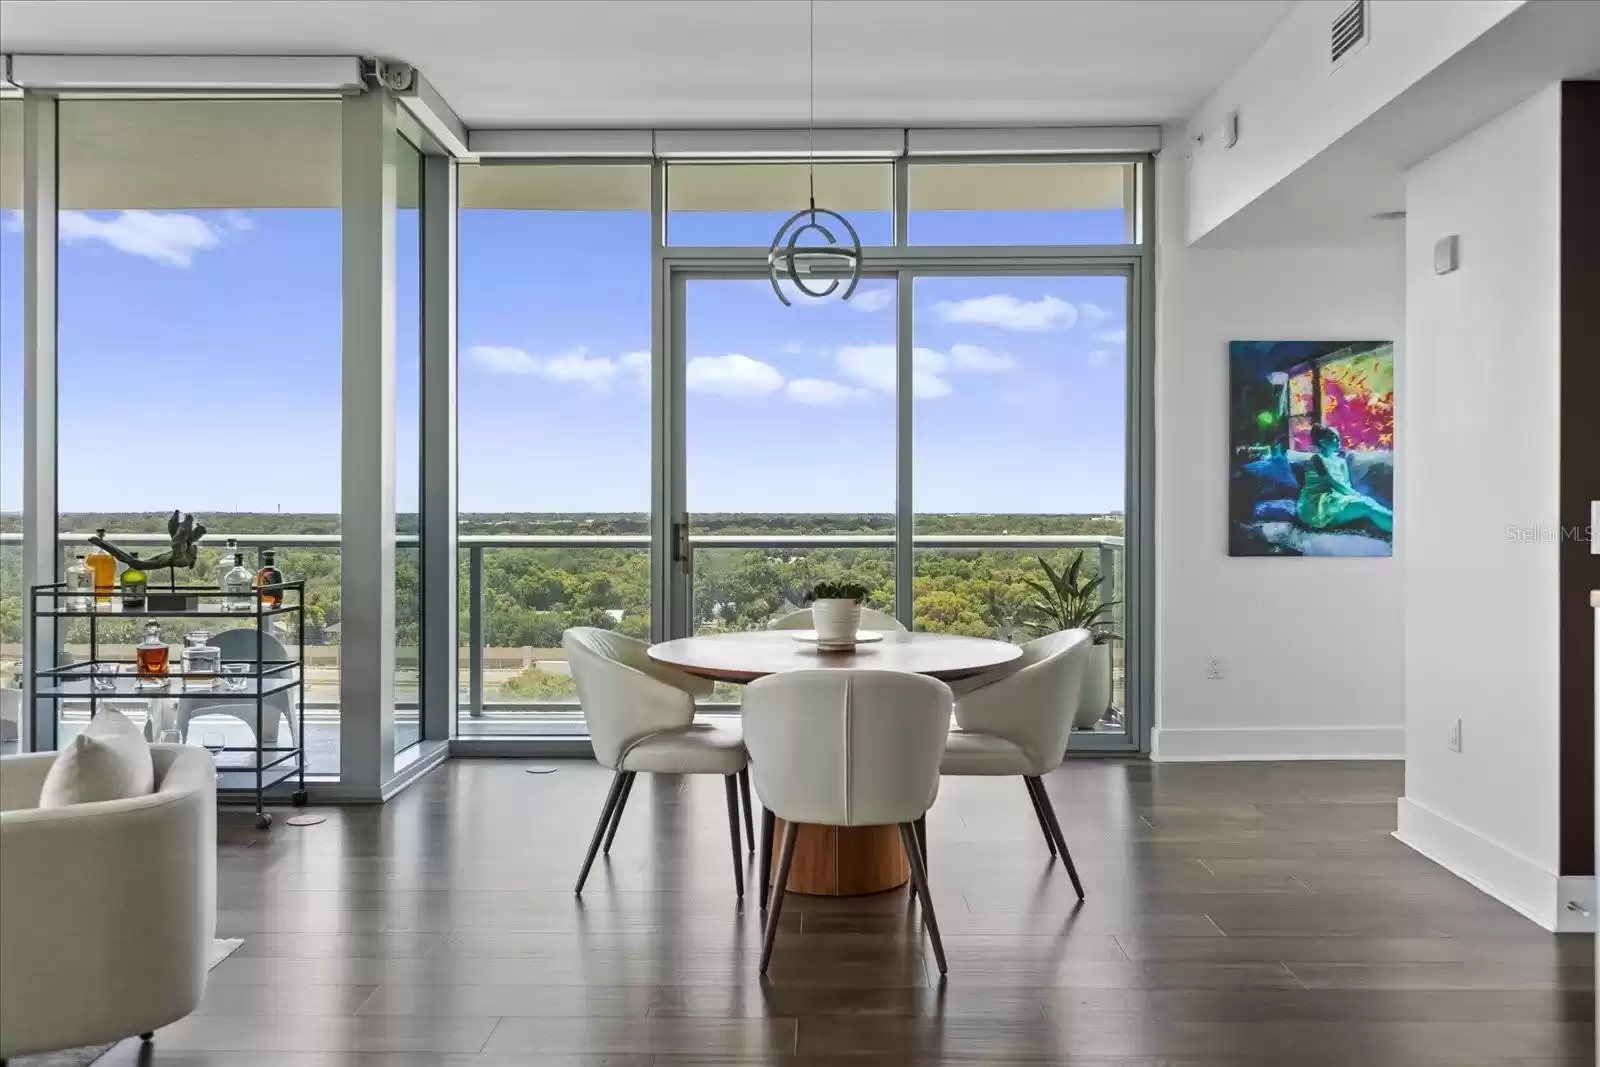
[{"x": 787, "y": 258}]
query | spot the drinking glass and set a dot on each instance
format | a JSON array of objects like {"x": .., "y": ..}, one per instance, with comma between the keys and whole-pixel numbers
[
  {"x": 104, "y": 677},
  {"x": 215, "y": 741},
  {"x": 235, "y": 676}
]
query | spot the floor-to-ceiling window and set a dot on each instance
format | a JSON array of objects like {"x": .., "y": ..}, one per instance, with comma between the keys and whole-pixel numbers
[
  {"x": 555, "y": 430},
  {"x": 408, "y": 269},
  {"x": 11, "y": 593},
  {"x": 199, "y": 352}
]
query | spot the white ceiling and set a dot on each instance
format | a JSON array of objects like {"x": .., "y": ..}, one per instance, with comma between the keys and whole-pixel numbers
[{"x": 719, "y": 62}]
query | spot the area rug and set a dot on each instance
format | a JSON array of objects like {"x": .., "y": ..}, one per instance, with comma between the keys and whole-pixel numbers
[{"x": 221, "y": 949}]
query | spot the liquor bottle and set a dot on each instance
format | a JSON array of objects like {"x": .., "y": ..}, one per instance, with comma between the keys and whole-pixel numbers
[
  {"x": 104, "y": 566},
  {"x": 236, "y": 583},
  {"x": 151, "y": 657},
  {"x": 269, "y": 575},
  {"x": 201, "y": 660},
  {"x": 224, "y": 565},
  {"x": 80, "y": 580},
  {"x": 133, "y": 589}
]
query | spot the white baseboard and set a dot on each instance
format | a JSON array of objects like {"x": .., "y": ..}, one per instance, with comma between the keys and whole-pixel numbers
[
  {"x": 1515, "y": 880},
  {"x": 1229, "y": 743}
]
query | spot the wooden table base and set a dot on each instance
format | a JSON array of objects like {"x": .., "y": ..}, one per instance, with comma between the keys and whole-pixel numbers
[{"x": 843, "y": 861}]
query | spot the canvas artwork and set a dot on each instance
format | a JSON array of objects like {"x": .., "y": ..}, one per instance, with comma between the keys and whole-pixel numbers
[{"x": 1311, "y": 448}]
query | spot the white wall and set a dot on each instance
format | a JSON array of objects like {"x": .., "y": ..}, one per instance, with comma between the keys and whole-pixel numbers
[
  {"x": 1311, "y": 649},
  {"x": 1479, "y": 440},
  {"x": 1292, "y": 105}
]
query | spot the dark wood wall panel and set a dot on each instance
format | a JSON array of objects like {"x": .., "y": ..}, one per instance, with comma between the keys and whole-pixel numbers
[{"x": 1580, "y": 462}]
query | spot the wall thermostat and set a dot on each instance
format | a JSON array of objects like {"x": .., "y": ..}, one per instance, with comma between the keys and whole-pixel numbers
[{"x": 1446, "y": 254}]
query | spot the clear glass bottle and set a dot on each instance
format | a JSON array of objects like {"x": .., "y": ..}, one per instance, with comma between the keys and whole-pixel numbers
[
  {"x": 237, "y": 581},
  {"x": 269, "y": 575},
  {"x": 104, "y": 566},
  {"x": 201, "y": 661},
  {"x": 80, "y": 584},
  {"x": 152, "y": 657},
  {"x": 224, "y": 565}
]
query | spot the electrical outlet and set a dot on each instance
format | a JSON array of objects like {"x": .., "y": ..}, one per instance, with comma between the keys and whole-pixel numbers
[
  {"x": 1214, "y": 669},
  {"x": 1455, "y": 736}
]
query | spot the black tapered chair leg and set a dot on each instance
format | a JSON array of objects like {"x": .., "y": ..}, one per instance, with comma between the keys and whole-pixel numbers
[
  {"x": 921, "y": 827},
  {"x": 1055, "y": 831},
  {"x": 780, "y": 881},
  {"x": 764, "y": 860},
  {"x": 919, "y": 879},
  {"x": 1038, "y": 812},
  {"x": 601, "y": 827},
  {"x": 744, "y": 801},
  {"x": 148, "y": 1035},
  {"x": 728, "y": 780},
  {"x": 616, "y": 816}
]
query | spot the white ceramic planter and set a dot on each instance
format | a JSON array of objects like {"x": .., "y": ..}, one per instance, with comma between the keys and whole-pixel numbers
[
  {"x": 836, "y": 622},
  {"x": 1094, "y": 695}
]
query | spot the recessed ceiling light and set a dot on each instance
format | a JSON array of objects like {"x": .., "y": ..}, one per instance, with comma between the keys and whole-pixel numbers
[{"x": 1389, "y": 216}]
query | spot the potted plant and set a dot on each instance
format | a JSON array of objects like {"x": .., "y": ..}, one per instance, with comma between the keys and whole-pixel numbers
[
  {"x": 836, "y": 612},
  {"x": 1067, "y": 600}
]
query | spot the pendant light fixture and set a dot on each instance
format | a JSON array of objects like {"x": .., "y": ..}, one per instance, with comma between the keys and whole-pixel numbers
[{"x": 788, "y": 258}]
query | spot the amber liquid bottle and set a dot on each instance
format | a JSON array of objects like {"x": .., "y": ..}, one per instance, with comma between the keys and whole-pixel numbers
[
  {"x": 269, "y": 575},
  {"x": 153, "y": 654},
  {"x": 104, "y": 567}
]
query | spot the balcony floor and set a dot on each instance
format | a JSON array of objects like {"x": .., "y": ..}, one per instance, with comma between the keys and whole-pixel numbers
[{"x": 1238, "y": 914}]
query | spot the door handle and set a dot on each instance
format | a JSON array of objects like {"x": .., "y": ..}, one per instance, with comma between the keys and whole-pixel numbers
[{"x": 682, "y": 553}]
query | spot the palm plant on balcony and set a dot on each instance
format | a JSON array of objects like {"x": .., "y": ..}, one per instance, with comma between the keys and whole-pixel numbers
[{"x": 1069, "y": 600}]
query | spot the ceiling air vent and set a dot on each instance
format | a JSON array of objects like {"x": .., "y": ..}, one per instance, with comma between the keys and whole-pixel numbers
[{"x": 1349, "y": 33}]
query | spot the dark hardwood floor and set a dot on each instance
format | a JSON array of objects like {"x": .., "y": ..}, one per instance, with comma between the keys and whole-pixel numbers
[{"x": 1252, "y": 914}]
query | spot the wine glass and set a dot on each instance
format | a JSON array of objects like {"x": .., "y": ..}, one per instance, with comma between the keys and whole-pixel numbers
[{"x": 215, "y": 742}]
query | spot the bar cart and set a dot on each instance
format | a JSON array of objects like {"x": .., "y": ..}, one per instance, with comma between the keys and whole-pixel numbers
[{"x": 261, "y": 680}]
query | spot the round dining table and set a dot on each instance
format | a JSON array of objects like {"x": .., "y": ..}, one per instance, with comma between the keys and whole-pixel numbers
[{"x": 835, "y": 860}]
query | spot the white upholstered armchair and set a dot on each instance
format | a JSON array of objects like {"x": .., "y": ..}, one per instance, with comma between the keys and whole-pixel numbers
[
  {"x": 640, "y": 716},
  {"x": 1019, "y": 724},
  {"x": 107, "y": 910}
]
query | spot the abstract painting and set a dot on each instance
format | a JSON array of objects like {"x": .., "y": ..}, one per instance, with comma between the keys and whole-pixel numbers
[{"x": 1311, "y": 448}]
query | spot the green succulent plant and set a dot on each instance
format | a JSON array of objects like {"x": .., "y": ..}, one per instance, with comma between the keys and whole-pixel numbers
[
  {"x": 1067, "y": 600},
  {"x": 827, "y": 590}
]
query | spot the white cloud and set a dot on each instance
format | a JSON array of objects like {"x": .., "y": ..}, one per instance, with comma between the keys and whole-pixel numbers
[
  {"x": 1119, "y": 336},
  {"x": 11, "y": 221},
  {"x": 820, "y": 392},
  {"x": 794, "y": 348},
  {"x": 637, "y": 364},
  {"x": 1008, "y": 313},
  {"x": 166, "y": 237},
  {"x": 1092, "y": 312},
  {"x": 980, "y": 360},
  {"x": 238, "y": 221},
  {"x": 574, "y": 366},
  {"x": 732, "y": 375},
  {"x": 1100, "y": 358},
  {"x": 873, "y": 366},
  {"x": 871, "y": 300}
]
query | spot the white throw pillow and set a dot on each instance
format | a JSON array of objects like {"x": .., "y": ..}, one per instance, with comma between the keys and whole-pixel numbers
[{"x": 109, "y": 760}]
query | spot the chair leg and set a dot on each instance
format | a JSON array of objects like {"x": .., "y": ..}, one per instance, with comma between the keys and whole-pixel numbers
[
  {"x": 147, "y": 1036},
  {"x": 1038, "y": 812},
  {"x": 919, "y": 879},
  {"x": 921, "y": 827},
  {"x": 1055, "y": 831},
  {"x": 728, "y": 780},
  {"x": 764, "y": 861},
  {"x": 616, "y": 816},
  {"x": 744, "y": 800},
  {"x": 791, "y": 835},
  {"x": 601, "y": 827}
]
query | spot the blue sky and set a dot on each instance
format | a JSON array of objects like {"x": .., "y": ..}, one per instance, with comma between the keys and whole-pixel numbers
[{"x": 231, "y": 319}]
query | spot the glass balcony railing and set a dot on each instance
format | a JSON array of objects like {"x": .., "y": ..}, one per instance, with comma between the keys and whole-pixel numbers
[{"x": 519, "y": 592}]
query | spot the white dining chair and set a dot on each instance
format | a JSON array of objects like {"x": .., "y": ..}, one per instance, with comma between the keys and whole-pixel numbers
[
  {"x": 1019, "y": 723},
  {"x": 871, "y": 619},
  {"x": 846, "y": 748},
  {"x": 640, "y": 716}
]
